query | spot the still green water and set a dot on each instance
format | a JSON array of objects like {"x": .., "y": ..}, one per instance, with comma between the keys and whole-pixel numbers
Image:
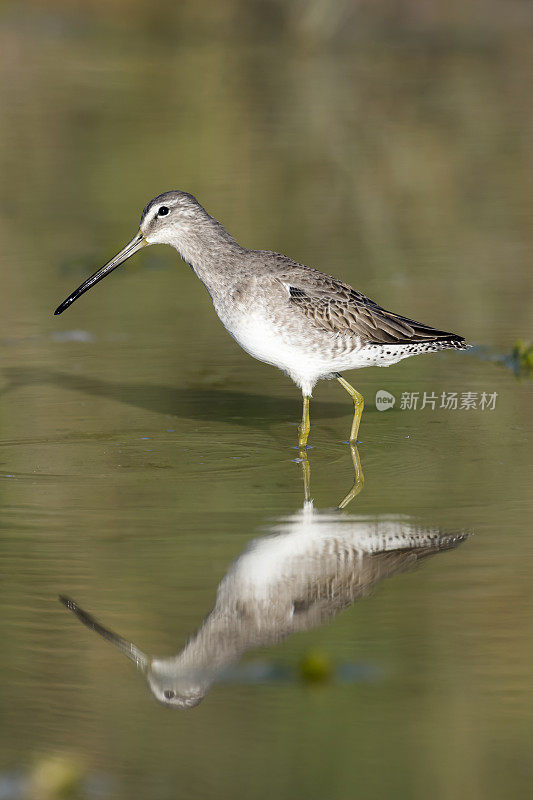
[{"x": 142, "y": 451}]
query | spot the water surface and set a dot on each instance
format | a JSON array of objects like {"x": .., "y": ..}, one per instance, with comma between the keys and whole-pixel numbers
[{"x": 142, "y": 451}]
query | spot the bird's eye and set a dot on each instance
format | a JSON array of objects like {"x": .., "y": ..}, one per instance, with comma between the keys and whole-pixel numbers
[
  {"x": 168, "y": 693},
  {"x": 163, "y": 211}
]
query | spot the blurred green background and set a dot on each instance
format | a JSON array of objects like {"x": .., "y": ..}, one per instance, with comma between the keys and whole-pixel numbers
[{"x": 387, "y": 143}]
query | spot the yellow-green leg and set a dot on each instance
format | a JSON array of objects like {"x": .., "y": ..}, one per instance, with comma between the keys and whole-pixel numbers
[
  {"x": 306, "y": 474},
  {"x": 358, "y": 403},
  {"x": 359, "y": 478},
  {"x": 305, "y": 426},
  {"x": 358, "y": 483}
]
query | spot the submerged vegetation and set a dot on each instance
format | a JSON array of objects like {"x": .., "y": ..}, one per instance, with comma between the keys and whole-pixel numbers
[{"x": 522, "y": 357}]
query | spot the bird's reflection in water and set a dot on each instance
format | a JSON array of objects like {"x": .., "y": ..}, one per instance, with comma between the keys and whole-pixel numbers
[
  {"x": 358, "y": 477},
  {"x": 309, "y": 567}
]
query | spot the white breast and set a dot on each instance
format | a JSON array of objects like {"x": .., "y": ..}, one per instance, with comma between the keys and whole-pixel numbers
[{"x": 293, "y": 344}]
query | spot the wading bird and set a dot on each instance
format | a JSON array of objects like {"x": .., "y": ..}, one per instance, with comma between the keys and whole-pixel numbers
[
  {"x": 308, "y": 324},
  {"x": 312, "y": 566}
]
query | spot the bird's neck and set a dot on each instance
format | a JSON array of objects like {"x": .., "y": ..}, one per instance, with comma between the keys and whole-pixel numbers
[
  {"x": 210, "y": 251},
  {"x": 217, "y": 644}
]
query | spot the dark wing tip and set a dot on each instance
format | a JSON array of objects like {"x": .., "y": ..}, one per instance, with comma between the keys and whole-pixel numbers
[{"x": 454, "y": 340}]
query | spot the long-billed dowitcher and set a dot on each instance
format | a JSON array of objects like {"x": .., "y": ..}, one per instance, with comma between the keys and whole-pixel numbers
[
  {"x": 308, "y": 324},
  {"x": 315, "y": 565}
]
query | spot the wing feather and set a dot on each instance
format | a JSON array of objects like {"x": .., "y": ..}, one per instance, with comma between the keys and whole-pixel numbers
[{"x": 335, "y": 307}]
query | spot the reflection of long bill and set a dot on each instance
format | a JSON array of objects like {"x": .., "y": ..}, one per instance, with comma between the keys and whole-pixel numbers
[
  {"x": 128, "y": 648},
  {"x": 137, "y": 243}
]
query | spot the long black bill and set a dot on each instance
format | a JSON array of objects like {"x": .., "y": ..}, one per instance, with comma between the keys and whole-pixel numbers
[
  {"x": 137, "y": 243},
  {"x": 128, "y": 648}
]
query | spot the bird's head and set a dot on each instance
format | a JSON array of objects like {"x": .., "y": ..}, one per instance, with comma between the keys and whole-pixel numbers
[
  {"x": 170, "y": 682},
  {"x": 169, "y": 215},
  {"x": 167, "y": 219},
  {"x": 174, "y": 686}
]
